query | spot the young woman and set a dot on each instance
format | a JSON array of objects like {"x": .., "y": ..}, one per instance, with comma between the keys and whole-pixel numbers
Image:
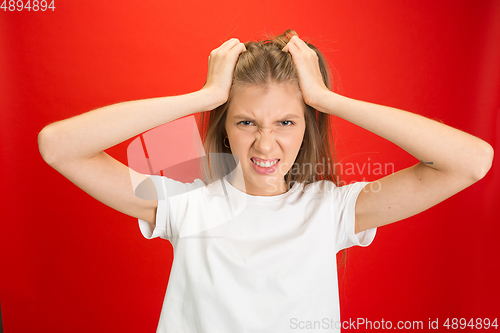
[{"x": 255, "y": 240}]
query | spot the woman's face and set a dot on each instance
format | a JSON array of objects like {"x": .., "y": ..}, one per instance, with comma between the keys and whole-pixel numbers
[{"x": 266, "y": 126}]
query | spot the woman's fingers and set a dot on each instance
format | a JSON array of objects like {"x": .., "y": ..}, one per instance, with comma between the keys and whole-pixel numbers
[
  {"x": 221, "y": 63},
  {"x": 296, "y": 44},
  {"x": 232, "y": 45},
  {"x": 236, "y": 45},
  {"x": 290, "y": 47},
  {"x": 299, "y": 43},
  {"x": 308, "y": 71},
  {"x": 229, "y": 41},
  {"x": 292, "y": 43},
  {"x": 229, "y": 44}
]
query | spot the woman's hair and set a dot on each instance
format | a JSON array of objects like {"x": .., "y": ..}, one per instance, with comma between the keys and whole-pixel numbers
[{"x": 264, "y": 63}]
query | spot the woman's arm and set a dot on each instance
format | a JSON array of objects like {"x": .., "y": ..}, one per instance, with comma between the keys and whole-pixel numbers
[
  {"x": 451, "y": 160},
  {"x": 75, "y": 146},
  {"x": 434, "y": 144},
  {"x": 87, "y": 134}
]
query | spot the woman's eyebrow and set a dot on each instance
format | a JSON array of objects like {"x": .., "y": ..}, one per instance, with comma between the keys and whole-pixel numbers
[
  {"x": 290, "y": 116},
  {"x": 245, "y": 117}
]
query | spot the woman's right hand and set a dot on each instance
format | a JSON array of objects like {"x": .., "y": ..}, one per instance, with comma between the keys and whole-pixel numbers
[{"x": 221, "y": 63}]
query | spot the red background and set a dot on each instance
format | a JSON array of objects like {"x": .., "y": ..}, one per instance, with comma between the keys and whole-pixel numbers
[{"x": 71, "y": 264}]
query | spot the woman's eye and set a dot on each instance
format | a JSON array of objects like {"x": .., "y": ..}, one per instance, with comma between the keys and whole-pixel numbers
[
  {"x": 287, "y": 122},
  {"x": 245, "y": 122}
]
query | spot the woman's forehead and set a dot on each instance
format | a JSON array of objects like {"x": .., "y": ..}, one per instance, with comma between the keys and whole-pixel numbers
[{"x": 267, "y": 102}]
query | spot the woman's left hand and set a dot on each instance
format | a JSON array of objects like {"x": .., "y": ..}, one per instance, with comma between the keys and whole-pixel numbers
[{"x": 306, "y": 62}]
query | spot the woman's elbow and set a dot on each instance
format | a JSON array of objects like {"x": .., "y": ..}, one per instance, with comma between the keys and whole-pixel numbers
[
  {"x": 45, "y": 147},
  {"x": 485, "y": 161}
]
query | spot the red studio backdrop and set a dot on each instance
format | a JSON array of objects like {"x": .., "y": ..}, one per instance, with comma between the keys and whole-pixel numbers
[{"x": 68, "y": 263}]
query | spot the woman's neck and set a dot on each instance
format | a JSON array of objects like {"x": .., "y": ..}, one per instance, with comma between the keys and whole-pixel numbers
[{"x": 248, "y": 187}]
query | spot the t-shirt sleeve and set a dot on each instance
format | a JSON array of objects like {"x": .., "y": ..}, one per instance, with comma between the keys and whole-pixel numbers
[
  {"x": 162, "y": 227},
  {"x": 166, "y": 188},
  {"x": 347, "y": 196}
]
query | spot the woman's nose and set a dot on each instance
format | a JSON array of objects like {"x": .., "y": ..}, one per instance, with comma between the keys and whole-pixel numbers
[{"x": 265, "y": 141}]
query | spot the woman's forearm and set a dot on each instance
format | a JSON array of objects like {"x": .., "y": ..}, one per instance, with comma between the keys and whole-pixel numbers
[
  {"x": 87, "y": 134},
  {"x": 435, "y": 144}
]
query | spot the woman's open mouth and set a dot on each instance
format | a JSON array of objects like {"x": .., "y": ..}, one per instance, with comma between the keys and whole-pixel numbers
[{"x": 265, "y": 167}]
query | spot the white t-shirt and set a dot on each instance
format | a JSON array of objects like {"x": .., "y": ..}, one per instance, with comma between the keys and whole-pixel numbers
[{"x": 246, "y": 263}]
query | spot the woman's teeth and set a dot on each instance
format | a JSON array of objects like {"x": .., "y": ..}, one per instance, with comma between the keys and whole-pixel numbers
[{"x": 266, "y": 164}]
